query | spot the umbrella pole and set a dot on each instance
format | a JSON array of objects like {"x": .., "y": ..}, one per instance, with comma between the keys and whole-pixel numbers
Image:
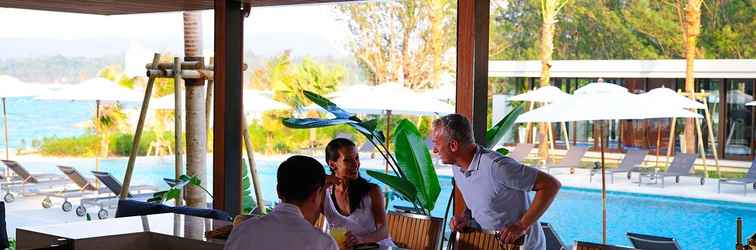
[
  {"x": 5, "y": 131},
  {"x": 99, "y": 147},
  {"x": 566, "y": 138},
  {"x": 603, "y": 183},
  {"x": 658, "y": 141},
  {"x": 388, "y": 137}
]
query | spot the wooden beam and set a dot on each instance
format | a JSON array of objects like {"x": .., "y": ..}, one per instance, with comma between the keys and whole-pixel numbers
[
  {"x": 227, "y": 127},
  {"x": 472, "y": 70}
]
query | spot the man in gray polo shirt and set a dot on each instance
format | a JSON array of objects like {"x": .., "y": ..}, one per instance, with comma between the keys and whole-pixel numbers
[{"x": 495, "y": 187}]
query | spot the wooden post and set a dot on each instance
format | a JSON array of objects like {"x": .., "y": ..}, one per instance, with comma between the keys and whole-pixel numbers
[
  {"x": 178, "y": 114},
  {"x": 138, "y": 133},
  {"x": 228, "y": 106},
  {"x": 603, "y": 182},
  {"x": 472, "y": 70},
  {"x": 529, "y": 126},
  {"x": 658, "y": 141}
]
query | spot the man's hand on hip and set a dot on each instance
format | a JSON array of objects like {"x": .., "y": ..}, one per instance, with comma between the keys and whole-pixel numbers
[{"x": 510, "y": 233}]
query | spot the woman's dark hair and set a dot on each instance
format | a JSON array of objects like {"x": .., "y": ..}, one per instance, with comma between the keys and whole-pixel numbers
[
  {"x": 358, "y": 188},
  {"x": 299, "y": 177}
]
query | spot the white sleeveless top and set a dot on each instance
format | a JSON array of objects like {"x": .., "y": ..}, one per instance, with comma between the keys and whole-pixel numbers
[{"x": 359, "y": 222}]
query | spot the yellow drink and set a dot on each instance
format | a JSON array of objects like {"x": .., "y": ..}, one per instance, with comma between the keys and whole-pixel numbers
[{"x": 339, "y": 235}]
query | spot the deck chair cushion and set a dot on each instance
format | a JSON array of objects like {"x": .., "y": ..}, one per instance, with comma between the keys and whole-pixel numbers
[
  {"x": 110, "y": 181},
  {"x": 128, "y": 208},
  {"x": 77, "y": 178},
  {"x": 203, "y": 212},
  {"x": 643, "y": 241},
  {"x": 20, "y": 171}
]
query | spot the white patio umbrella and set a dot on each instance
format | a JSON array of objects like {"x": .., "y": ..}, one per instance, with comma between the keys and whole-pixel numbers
[
  {"x": 669, "y": 98},
  {"x": 254, "y": 102},
  {"x": 388, "y": 98},
  {"x": 597, "y": 102},
  {"x": 546, "y": 94},
  {"x": 98, "y": 90},
  {"x": 12, "y": 87},
  {"x": 393, "y": 97}
]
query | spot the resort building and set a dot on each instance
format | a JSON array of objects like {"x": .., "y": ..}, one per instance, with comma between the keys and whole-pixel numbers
[{"x": 728, "y": 83}]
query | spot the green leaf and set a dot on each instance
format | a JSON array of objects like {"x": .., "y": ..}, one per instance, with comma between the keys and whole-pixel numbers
[
  {"x": 415, "y": 163},
  {"x": 495, "y": 133},
  {"x": 247, "y": 203},
  {"x": 328, "y": 105},
  {"x": 503, "y": 151},
  {"x": 315, "y": 122},
  {"x": 401, "y": 186}
]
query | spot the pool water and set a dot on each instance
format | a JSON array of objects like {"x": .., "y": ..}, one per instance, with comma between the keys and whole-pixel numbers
[{"x": 575, "y": 214}]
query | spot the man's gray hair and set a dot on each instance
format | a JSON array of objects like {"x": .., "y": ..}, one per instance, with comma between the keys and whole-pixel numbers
[{"x": 455, "y": 126}]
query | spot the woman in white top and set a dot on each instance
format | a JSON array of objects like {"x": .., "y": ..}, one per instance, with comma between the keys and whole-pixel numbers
[{"x": 355, "y": 203}]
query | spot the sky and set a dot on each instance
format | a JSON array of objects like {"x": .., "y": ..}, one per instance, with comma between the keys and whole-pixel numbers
[{"x": 267, "y": 28}]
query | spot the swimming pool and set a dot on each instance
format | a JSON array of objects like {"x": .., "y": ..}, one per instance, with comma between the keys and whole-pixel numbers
[{"x": 575, "y": 215}]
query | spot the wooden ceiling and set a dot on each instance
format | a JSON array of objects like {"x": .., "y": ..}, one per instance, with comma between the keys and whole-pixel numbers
[{"x": 119, "y": 7}]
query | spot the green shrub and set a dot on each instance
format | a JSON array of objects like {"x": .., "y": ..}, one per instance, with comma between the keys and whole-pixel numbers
[{"x": 69, "y": 146}]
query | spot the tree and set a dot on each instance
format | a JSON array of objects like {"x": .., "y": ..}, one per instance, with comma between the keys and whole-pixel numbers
[
  {"x": 196, "y": 132},
  {"x": 402, "y": 40},
  {"x": 549, "y": 11}
]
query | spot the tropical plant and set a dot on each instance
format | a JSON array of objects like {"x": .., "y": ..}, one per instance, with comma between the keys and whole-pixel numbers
[{"x": 413, "y": 175}]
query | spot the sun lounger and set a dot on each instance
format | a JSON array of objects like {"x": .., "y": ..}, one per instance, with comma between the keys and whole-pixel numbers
[
  {"x": 553, "y": 242},
  {"x": 144, "y": 192},
  {"x": 571, "y": 159},
  {"x": 630, "y": 163},
  {"x": 521, "y": 151},
  {"x": 682, "y": 165},
  {"x": 582, "y": 245},
  {"x": 651, "y": 242},
  {"x": 29, "y": 184},
  {"x": 84, "y": 187},
  {"x": 749, "y": 179}
]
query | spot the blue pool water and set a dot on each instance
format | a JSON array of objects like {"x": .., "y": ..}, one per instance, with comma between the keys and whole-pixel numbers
[{"x": 575, "y": 214}]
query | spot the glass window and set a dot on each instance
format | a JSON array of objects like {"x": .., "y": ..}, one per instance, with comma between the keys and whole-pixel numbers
[{"x": 739, "y": 130}]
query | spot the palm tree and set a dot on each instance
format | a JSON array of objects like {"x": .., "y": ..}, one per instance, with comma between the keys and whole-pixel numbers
[
  {"x": 689, "y": 16},
  {"x": 549, "y": 11},
  {"x": 196, "y": 132}
]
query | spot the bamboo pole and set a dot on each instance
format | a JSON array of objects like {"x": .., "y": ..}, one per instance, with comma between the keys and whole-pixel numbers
[
  {"x": 707, "y": 115},
  {"x": 253, "y": 167},
  {"x": 551, "y": 136},
  {"x": 178, "y": 115},
  {"x": 701, "y": 146},
  {"x": 671, "y": 142},
  {"x": 138, "y": 133},
  {"x": 529, "y": 126}
]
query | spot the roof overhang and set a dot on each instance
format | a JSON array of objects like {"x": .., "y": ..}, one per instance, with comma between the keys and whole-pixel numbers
[
  {"x": 120, "y": 7},
  {"x": 724, "y": 68}
]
